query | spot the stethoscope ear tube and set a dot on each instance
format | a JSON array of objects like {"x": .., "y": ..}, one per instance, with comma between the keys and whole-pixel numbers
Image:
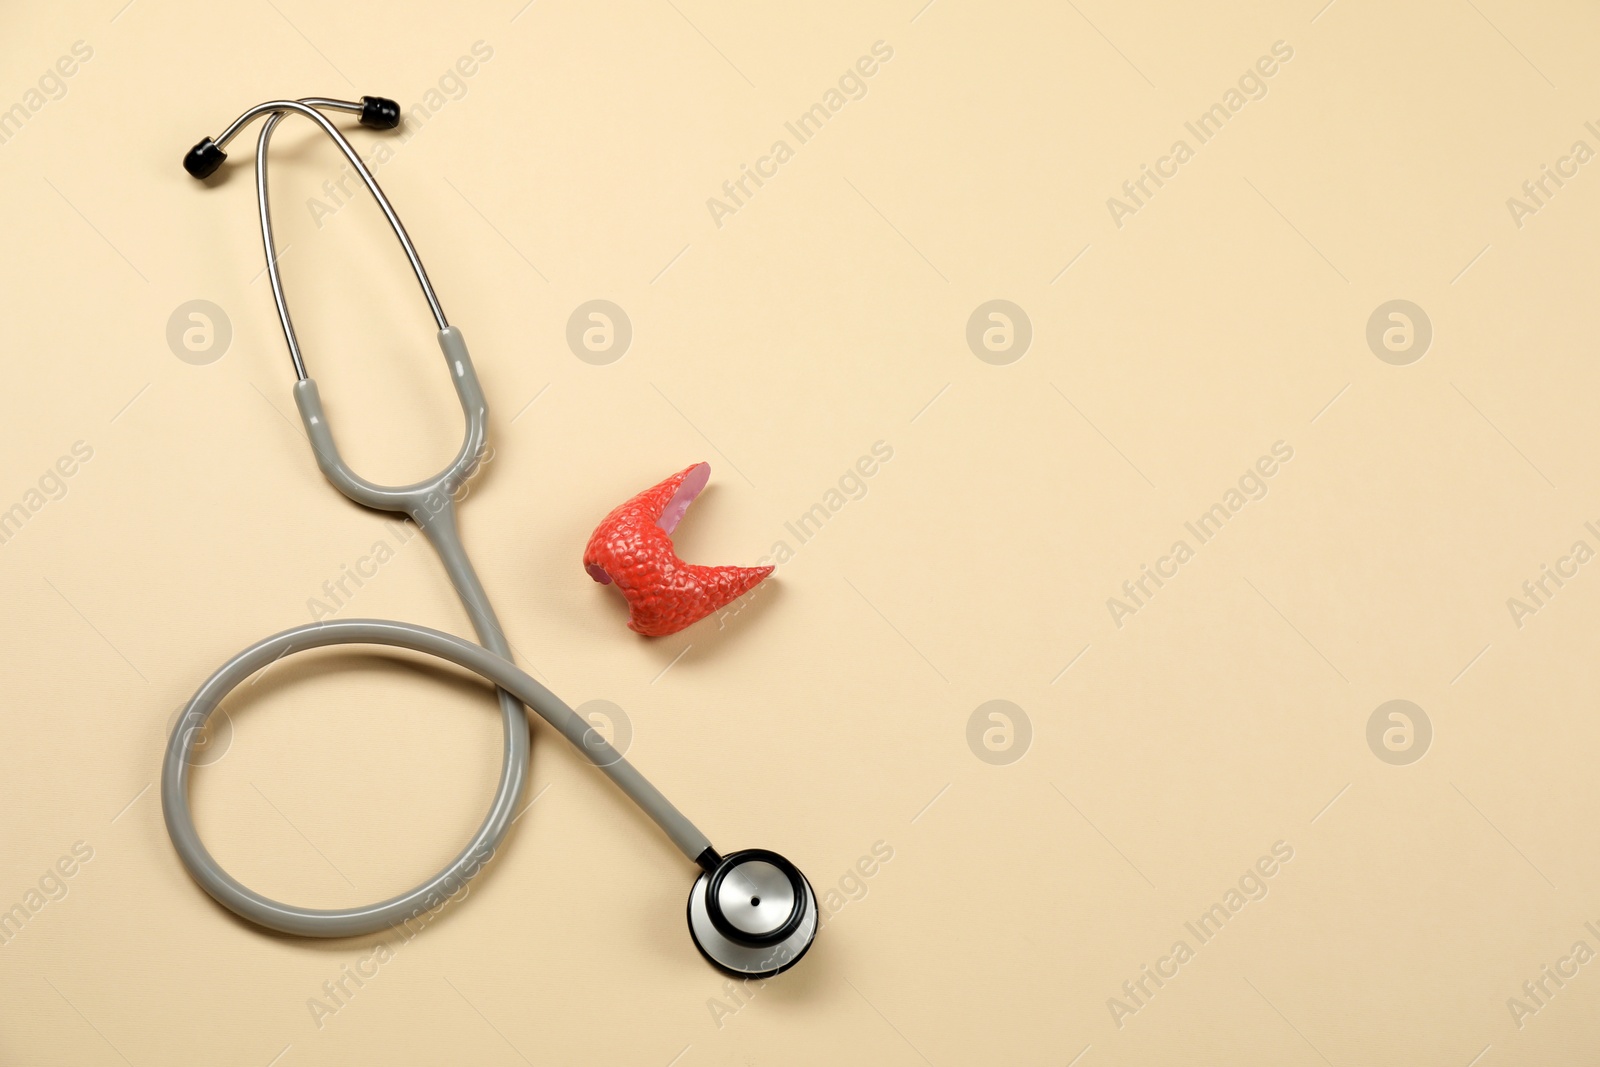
[{"x": 376, "y": 112}]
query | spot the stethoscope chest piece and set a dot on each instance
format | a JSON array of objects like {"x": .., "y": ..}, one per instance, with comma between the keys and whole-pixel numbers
[{"x": 752, "y": 914}]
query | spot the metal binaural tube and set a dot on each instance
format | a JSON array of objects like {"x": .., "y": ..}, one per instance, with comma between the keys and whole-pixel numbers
[{"x": 276, "y": 111}]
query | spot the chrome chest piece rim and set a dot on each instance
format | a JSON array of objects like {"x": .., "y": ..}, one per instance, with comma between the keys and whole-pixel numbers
[{"x": 754, "y": 915}]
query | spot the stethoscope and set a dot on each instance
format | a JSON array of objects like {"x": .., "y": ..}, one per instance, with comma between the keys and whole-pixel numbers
[{"x": 751, "y": 913}]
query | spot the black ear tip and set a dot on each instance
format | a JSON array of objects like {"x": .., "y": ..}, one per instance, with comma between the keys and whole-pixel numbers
[
  {"x": 379, "y": 113},
  {"x": 204, "y": 158}
]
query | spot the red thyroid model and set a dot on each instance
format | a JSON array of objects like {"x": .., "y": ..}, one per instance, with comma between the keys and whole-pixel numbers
[{"x": 632, "y": 547}]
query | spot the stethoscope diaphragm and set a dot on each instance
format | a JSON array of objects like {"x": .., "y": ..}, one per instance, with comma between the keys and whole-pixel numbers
[{"x": 752, "y": 913}]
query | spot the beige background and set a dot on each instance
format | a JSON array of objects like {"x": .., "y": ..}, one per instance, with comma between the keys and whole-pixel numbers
[{"x": 827, "y": 314}]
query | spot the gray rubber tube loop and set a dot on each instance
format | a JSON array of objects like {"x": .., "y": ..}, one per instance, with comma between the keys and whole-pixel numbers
[
  {"x": 352, "y": 921},
  {"x": 431, "y": 504}
]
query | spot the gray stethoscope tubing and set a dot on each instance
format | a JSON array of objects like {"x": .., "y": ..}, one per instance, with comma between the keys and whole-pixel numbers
[
  {"x": 431, "y": 504},
  {"x": 514, "y": 684}
]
